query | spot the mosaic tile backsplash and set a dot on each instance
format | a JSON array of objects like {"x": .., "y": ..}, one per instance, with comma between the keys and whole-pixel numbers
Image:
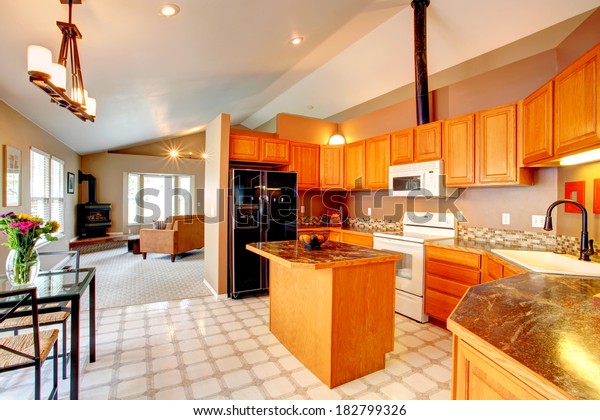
[
  {"x": 533, "y": 240},
  {"x": 358, "y": 223}
]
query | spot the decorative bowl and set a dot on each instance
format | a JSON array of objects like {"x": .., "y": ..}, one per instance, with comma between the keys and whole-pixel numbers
[{"x": 313, "y": 240}]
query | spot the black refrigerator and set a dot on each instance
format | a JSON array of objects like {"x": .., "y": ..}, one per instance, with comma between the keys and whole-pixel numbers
[{"x": 263, "y": 207}]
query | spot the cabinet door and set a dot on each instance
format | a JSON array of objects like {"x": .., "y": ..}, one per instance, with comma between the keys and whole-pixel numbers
[
  {"x": 332, "y": 166},
  {"x": 497, "y": 144},
  {"x": 402, "y": 147},
  {"x": 577, "y": 105},
  {"x": 244, "y": 148},
  {"x": 274, "y": 150},
  {"x": 304, "y": 159},
  {"x": 377, "y": 162},
  {"x": 355, "y": 165},
  {"x": 428, "y": 141},
  {"x": 537, "y": 125},
  {"x": 357, "y": 239},
  {"x": 476, "y": 377},
  {"x": 459, "y": 150}
]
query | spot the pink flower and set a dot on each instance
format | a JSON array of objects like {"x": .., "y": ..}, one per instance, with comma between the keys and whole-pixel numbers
[{"x": 24, "y": 227}]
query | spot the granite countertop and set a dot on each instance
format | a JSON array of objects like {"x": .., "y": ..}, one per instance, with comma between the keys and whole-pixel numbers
[
  {"x": 481, "y": 246},
  {"x": 369, "y": 231},
  {"x": 332, "y": 254},
  {"x": 546, "y": 322}
]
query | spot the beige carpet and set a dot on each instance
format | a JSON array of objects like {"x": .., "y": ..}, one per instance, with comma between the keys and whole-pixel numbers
[{"x": 126, "y": 279}]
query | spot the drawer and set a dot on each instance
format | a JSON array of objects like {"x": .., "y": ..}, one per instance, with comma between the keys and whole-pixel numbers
[
  {"x": 361, "y": 240},
  {"x": 451, "y": 256},
  {"x": 453, "y": 272},
  {"x": 447, "y": 286},
  {"x": 439, "y": 305}
]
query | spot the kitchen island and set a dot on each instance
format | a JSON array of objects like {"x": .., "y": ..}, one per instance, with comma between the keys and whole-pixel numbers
[
  {"x": 531, "y": 336},
  {"x": 332, "y": 308}
]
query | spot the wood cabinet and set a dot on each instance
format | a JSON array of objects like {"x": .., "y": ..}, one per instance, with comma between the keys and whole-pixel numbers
[
  {"x": 448, "y": 275},
  {"x": 538, "y": 142},
  {"x": 244, "y": 148},
  {"x": 377, "y": 162},
  {"x": 356, "y": 238},
  {"x": 355, "y": 165},
  {"x": 459, "y": 150},
  {"x": 256, "y": 149},
  {"x": 476, "y": 376},
  {"x": 332, "y": 167},
  {"x": 334, "y": 235},
  {"x": 428, "y": 141},
  {"x": 304, "y": 159},
  {"x": 402, "y": 147},
  {"x": 497, "y": 268},
  {"x": 497, "y": 144},
  {"x": 577, "y": 105},
  {"x": 274, "y": 150}
]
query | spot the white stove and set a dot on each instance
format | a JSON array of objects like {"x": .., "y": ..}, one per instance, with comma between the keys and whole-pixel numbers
[{"x": 410, "y": 271}]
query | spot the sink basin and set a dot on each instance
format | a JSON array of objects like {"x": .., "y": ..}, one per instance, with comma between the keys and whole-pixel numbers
[{"x": 550, "y": 262}]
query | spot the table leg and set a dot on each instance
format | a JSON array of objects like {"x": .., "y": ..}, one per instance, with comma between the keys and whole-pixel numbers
[
  {"x": 75, "y": 348},
  {"x": 92, "y": 331}
]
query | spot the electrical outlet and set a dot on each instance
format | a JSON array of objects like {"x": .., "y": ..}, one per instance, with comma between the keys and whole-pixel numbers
[
  {"x": 506, "y": 218},
  {"x": 302, "y": 209},
  {"x": 537, "y": 221},
  {"x": 369, "y": 211},
  {"x": 459, "y": 216}
]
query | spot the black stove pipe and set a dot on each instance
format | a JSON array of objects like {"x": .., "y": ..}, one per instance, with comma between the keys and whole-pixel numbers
[
  {"x": 91, "y": 180},
  {"x": 421, "y": 83}
]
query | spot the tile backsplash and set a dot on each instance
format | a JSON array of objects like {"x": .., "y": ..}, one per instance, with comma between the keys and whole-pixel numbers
[{"x": 534, "y": 240}]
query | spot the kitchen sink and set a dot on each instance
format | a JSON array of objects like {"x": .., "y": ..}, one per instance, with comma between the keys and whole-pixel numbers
[{"x": 550, "y": 262}]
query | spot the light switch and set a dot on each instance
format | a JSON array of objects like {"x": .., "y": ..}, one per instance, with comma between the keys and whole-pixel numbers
[
  {"x": 537, "y": 221},
  {"x": 506, "y": 218},
  {"x": 369, "y": 211}
]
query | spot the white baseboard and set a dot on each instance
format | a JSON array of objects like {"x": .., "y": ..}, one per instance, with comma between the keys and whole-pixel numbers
[{"x": 213, "y": 292}]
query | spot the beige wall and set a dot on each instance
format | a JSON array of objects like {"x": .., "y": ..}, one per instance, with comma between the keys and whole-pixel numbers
[
  {"x": 110, "y": 168},
  {"x": 305, "y": 129},
  {"x": 570, "y": 223},
  {"x": 19, "y": 132},
  {"x": 215, "y": 197},
  {"x": 192, "y": 143}
]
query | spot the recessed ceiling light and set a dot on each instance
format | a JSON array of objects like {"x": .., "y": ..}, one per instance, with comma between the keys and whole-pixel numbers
[
  {"x": 169, "y": 10},
  {"x": 297, "y": 40}
]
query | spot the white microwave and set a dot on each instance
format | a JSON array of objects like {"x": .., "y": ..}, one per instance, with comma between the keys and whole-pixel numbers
[{"x": 418, "y": 179}]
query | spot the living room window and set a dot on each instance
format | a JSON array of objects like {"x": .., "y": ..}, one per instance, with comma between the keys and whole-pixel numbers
[
  {"x": 48, "y": 187},
  {"x": 153, "y": 197}
]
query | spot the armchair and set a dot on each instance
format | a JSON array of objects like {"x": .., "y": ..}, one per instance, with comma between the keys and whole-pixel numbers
[{"x": 183, "y": 234}]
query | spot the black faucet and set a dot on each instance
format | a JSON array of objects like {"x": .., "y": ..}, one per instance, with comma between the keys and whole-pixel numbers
[{"x": 584, "y": 250}]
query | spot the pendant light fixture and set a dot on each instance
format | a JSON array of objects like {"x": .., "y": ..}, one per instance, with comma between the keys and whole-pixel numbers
[{"x": 52, "y": 77}]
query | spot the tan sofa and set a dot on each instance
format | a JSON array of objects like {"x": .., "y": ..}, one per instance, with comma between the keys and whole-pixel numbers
[{"x": 183, "y": 234}]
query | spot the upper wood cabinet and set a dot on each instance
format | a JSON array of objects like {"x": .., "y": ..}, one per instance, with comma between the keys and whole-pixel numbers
[
  {"x": 377, "y": 162},
  {"x": 304, "y": 159},
  {"x": 577, "y": 105},
  {"x": 355, "y": 165},
  {"x": 459, "y": 150},
  {"x": 428, "y": 141},
  {"x": 274, "y": 150},
  {"x": 244, "y": 148},
  {"x": 538, "y": 143},
  {"x": 332, "y": 167},
  {"x": 402, "y": 147}
]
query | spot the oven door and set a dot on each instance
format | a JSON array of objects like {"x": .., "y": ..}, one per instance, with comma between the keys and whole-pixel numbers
[{"x": 409, "y": 270}]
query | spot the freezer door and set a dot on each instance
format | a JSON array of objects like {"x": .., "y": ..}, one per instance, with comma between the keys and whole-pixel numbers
[
  {"x": 245, "y": 265},
  {"x": 280, "y": 209}
]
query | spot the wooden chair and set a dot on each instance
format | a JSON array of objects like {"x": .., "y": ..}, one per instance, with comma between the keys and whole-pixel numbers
[
  {"x": 32, "y": 349},
  {"x": 49, "y": 314}
]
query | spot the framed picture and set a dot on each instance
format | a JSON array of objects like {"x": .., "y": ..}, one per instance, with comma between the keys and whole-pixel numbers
[
  {"x": 11, "y": 193},
  {"x": 70, "y": 183}
]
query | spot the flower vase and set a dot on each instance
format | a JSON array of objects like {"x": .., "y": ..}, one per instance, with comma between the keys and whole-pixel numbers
[{"x": 22, "y": 268}]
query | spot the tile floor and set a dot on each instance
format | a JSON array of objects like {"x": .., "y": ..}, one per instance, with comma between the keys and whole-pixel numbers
[{"x": 207, "y": 349}]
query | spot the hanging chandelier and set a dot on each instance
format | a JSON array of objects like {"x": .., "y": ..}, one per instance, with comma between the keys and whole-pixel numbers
[{"x": 52, "y": 77}]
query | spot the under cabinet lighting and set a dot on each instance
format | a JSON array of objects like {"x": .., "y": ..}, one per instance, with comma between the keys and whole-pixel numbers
[{"x": 584, "y": 157}]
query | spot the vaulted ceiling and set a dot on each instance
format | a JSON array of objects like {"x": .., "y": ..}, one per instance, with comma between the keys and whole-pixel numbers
[{"x": 156, "y": 78}]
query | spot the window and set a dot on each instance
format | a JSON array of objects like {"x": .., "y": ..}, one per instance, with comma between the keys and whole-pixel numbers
[
  {"x": 48, "y": 187},
  {"x": 157, "y": 196}
]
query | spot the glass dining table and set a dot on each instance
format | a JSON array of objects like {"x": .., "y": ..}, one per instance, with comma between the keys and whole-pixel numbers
[{"x": 68, "y": 286}]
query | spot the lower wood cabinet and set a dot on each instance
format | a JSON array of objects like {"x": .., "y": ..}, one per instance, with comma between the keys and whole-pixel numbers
[
  {"x": 448, "y": 275},
  {"x": 497, "y": 268},
  {"x": 477, "y": 377},
  {"x": 356, "y": 238}
]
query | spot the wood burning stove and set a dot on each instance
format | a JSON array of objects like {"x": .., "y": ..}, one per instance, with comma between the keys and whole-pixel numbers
[{"x": 92, "y": 218}]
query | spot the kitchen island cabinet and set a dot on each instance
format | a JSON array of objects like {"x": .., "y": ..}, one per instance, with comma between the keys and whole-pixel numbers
[
  {"x": 531, "y": 336},
  {"x": 332, "y": 308}
]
